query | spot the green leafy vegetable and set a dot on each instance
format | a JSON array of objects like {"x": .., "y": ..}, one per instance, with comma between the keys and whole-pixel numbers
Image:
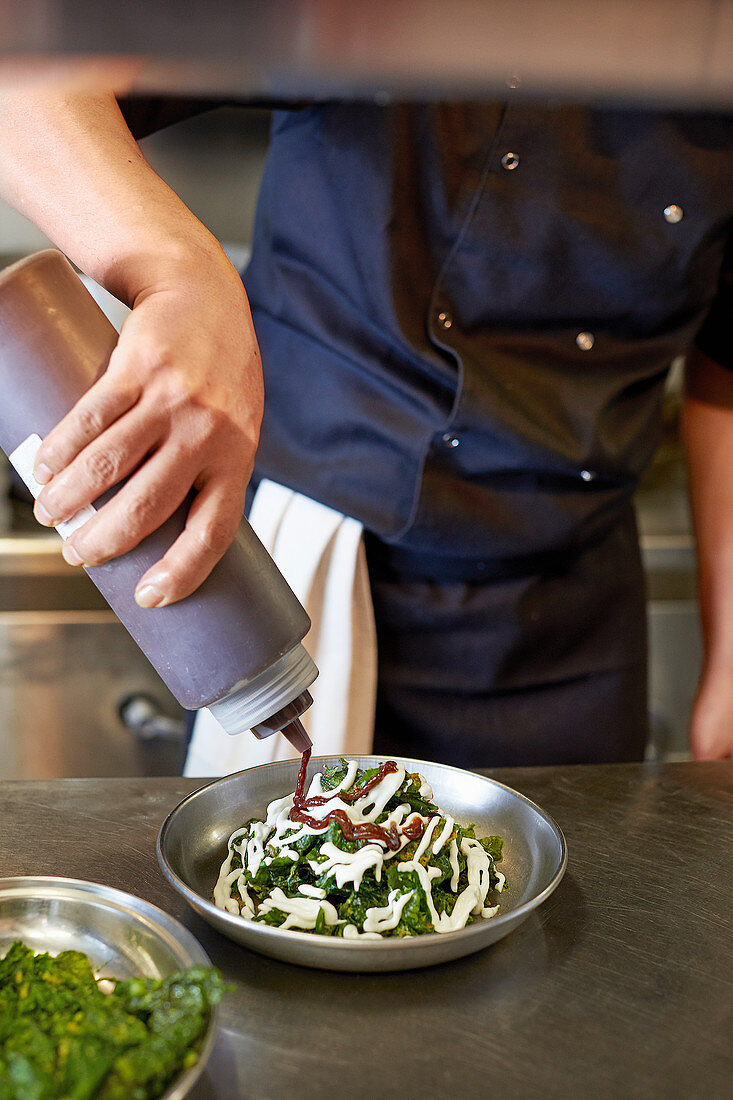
[
  {"x": 62, "y": 1037},
  {"x": 389, "y": 895}
]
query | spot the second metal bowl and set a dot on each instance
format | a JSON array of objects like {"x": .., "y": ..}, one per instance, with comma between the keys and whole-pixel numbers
[{"x": 122, "y": 935}]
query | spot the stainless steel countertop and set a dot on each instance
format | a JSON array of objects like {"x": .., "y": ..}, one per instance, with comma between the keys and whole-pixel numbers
[{"x": 619, "y": 986}]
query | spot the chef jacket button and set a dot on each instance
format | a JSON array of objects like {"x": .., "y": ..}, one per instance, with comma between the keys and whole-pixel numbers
[
  {"x": 510, "y": 161},
  {"x": 674, "y": 213},
  {"x": 451, "y": 440},
  {"x": 585, "y": 340},
  {"x": 445, "y": 319},
  {"x": 588, "y": 475}
]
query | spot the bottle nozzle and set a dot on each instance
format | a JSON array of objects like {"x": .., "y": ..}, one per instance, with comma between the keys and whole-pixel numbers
[
  {"x": 287, "y": 721},
  {"x": 296, "y": 735}
]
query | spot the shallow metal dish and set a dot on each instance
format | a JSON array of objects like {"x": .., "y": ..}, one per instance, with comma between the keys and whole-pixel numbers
[
  {"x": 192, "y": 844},
  {"x": 122, "y": 935}
]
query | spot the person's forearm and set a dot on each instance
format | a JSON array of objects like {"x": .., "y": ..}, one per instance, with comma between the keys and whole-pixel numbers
[
  {"x": 708, "y": 434},
  {"x": 72, "y": 167},
  {"x": 179, "y": 405}
]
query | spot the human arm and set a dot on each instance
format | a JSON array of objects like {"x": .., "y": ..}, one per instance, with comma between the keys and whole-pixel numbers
[
  {"x": 708, "y": 434},
  {"x": 180, "y": 404}
]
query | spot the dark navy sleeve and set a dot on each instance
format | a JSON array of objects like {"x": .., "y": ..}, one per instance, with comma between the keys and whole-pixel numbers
[
  {"x": 147, "y": 115},
  {"x": 715, "y": 338}
]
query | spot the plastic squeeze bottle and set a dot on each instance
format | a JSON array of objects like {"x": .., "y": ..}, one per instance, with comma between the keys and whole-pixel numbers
[{"x": 234, "y": 645}]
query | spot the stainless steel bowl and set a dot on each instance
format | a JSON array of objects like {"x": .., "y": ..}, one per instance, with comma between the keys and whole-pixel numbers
[
  {"x": 122, "y": 935},
  {"x": 192, "y": 844}
]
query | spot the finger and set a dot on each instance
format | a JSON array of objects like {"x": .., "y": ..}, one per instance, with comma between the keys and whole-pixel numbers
[
  {"x": 107, "y": 400},
  {"x": 210, "y": 528},
  {"x": 143, "y": 503},
  {"x": 99, "y": 467}
]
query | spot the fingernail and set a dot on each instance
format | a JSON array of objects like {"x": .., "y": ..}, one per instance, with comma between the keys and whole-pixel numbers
[
  {"x": 147, "y": 595},
  {"x": 70, "y": 555},
  {"x": 42, "y": 474},
  {"x": 43, "y": 516}
]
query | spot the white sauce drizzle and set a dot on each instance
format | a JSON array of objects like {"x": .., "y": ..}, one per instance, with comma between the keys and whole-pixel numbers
[
  {"x": 351, "y": 932},
  {"x": 311, "y": 891},
  {"x": 398, "y": 815},
  {"x": 223, "y": 888},
  {"x": 254, "y": 852},
  {"x": 248, "y": 906},
  {"x": 464, "y": 906},
  {"x": 301, "y": 912},
  {"x": 453, "y": 859},
  {"x": 479, "y": 868},
  {"x": 425, "y": 840},
  {"x": 447, "y": 830},
  {"x": 348, "y": 866},
  {"x": 385, "y": 918}
]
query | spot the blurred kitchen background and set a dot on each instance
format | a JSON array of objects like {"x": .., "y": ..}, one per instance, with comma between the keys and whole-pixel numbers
[{"x": 77, "y": 697}]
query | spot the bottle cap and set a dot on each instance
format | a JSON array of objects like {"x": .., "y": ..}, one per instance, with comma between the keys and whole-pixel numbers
[{"x": 254, "y": 701}]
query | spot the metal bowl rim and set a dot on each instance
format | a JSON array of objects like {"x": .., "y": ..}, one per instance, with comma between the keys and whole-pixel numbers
[
  {"x": 402, "y": 944},
  {"x": 17, "y": 885}
]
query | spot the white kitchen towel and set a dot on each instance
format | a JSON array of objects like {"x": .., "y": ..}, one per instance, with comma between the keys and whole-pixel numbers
[{"x": 321, "y": 555}]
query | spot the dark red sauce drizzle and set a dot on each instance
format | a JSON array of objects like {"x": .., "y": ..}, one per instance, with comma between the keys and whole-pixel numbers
[
  {"x": 414, "y": 829},
  {"x": 304, "y": 761},
  {"x": 366, "y": 831}
]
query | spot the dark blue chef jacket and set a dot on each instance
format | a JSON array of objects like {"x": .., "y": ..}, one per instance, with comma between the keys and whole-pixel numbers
[{"x": 466, "y": 314}]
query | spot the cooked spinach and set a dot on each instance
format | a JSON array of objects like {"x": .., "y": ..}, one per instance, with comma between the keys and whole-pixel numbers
[
  {"x": 303, "y": 869},
  {"x": 62, "y": 1037}
]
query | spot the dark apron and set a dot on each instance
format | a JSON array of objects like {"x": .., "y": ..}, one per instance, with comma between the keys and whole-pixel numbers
[{"x": 548, "y": 668}]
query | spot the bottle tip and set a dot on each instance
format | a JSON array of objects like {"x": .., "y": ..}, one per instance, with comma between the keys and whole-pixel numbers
[{"x": 296, "y": 735}]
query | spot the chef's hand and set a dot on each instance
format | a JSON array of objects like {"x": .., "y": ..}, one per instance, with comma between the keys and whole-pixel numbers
[
  {"x": 711, "y": 727},
  {"x": 178, "y": 408}
]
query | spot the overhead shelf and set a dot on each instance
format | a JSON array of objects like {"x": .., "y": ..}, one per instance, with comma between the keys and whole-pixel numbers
[{"x": 652, "y": 51}]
